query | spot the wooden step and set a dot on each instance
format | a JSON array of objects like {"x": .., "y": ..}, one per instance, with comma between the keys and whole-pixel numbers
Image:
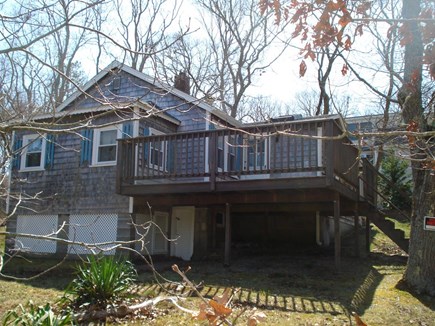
[{"x": 387, "y": 227}]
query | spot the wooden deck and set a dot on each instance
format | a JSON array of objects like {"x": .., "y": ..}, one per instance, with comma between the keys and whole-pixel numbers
[{"x": 274, "y": 162}]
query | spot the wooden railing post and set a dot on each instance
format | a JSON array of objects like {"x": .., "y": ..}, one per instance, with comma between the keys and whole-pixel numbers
[
  {"x": 337, "y": 233},
  {"x": 329, "y": 153},
  {"x": 227, "y": 255}
]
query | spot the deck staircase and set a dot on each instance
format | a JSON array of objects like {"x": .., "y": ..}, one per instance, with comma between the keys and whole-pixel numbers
[{"x": 378, "y": 218}]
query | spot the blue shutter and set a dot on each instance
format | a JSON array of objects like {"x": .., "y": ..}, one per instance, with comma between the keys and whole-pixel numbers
[
  {"x": 170, "y": 157},
  {"x": 239, "y": 153},
  {"x": 86, "y": 146},
  {"x": 146, "y": 148},
  {"x": 49, "y": 151},
  {"x": 18, "y": 144},
  {"x": 127, "y": 129}
]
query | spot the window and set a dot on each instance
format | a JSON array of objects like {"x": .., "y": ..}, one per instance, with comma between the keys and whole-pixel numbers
[
  {"x": 157, "y": 151},
  {"x": 32, "y": 157},
  {"x": 256, "y": 153},
  {"x": 231, "y": 153},
  {"x": 104, "y": 149},
  {"x": 220, "y": 152},
  {"x": 226, "y": 153},
  {"x": 116, "y": 84}
]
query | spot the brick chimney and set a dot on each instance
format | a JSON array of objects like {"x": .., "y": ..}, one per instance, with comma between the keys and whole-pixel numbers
[{"x": 182, "y": 82}]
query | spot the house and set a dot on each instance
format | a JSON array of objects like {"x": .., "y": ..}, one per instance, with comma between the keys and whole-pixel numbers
[
  {"x": 130, "y": 149},
  {"x": 378, "y": 123}
]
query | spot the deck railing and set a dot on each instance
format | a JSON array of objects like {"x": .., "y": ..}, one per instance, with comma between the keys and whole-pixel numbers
[{"x": 285, "y": 150}]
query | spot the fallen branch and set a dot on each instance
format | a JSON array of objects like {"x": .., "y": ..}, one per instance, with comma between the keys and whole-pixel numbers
[{"x": 124, "y": 310}]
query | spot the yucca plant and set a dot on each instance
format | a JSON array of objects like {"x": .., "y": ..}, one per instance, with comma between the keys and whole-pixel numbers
[
  {"x": 101, "y": 280},
  {"x": 36, "y": 315}
]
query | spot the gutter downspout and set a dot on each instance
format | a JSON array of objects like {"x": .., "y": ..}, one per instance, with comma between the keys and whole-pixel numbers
[{"x": 318, "y": 239}]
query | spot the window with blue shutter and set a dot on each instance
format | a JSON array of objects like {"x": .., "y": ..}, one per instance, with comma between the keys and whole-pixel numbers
[
  {"x": 127, "y": 129},
  {"x": 146, "y": 146},
  {"x": 170, "y": 164},
  {"x": 49, "y": 151},
  {"x": 18, "y": 144},
  {"x": 239, "y": 153},
  {"x": 33, "y": 152},
  {"x": 86, "y": 146}
]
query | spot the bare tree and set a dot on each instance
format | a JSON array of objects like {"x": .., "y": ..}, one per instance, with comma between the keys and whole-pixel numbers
[
  {"x": 193, "y": 56},
  {"x": 228, "y": 53},
  {"x": 416, "y": 24},
  {"x": 41, "y": 41},
  {"x": 306, "y": 103},
  {"x": 262, "y": 108},
  {"x": 144, "y": 27}
]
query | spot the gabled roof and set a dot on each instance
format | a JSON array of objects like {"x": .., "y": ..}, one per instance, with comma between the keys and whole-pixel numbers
[
  {"x": 149, "y": 108},
  {"x": 299, "y": 119},
  {"x": 153, "y": 81}
]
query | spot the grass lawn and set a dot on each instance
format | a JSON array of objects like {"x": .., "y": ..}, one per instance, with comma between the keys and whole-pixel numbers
[
  {"x": 294, "y": 289},
  {"x": 402, "y": 225}
]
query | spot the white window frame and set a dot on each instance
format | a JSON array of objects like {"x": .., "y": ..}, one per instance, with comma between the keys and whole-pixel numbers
[
  {"x": 155, "y": 132},
  {"x": 27, "y": 140},
  {"x": 229, "y": 149},
  {"x": 256, "y": 166},
  {"x": 96, "y": 145},
  {"x": 222, "y": 150}
]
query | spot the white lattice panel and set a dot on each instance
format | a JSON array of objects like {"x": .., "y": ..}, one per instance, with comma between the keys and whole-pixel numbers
[
  {"x": 92, "y": 229},
  {"x": 37, "y": 225}
]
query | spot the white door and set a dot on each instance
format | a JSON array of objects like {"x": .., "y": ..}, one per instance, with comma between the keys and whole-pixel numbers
[
  {"x": 182, "y": 231},
  {"x": 153, "y": 235}
]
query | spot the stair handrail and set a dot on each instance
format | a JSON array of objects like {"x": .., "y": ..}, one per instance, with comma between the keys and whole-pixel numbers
[{"x": 390, "y": 183}]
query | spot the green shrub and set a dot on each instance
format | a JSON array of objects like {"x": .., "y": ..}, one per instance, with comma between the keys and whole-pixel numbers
[
  {"x": 101, "y": 280},
  {"x": 33, "y": 315},
  {"x": 395, "y": 169}
]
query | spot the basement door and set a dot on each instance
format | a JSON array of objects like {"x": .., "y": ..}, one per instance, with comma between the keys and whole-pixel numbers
[
  {"x": 160, "y": 229},
  {"x": 182, "y": 231}
]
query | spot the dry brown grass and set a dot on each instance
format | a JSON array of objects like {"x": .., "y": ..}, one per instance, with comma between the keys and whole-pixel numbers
[{"x": 293, "y": 289}]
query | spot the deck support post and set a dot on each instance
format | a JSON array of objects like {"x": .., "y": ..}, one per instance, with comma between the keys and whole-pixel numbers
[
  {"x": 337, "y": 235},
  {"x": 212, "y": 160},
  {"x": 356, "y": 231},
  {"x": 227, "y": 258},
  {"x": 367, "y": 234},
  {"x": 63, "y": 220}
]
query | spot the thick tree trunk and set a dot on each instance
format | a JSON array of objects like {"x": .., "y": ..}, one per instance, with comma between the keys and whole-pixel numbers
[{"x": 420, "y": 271}]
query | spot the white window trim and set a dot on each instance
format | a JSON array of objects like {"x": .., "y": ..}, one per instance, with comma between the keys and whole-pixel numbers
[
  {"x": 27, "y": 139},
  {"x": 256, "y": 166},
  {"x": 155, "y": 132},
  {"x": 96, "y": 142},
  {"x": 226, "y": 152},
  {"x": 221, "y": 168}
]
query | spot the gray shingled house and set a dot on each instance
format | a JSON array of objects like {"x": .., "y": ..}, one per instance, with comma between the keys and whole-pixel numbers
[{"x": 133, "y": 149}]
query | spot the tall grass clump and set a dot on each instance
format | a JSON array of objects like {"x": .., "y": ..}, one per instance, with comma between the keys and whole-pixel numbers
[
  {"x": 31, "y": 314},
  {"x": 100, "y": 280}
]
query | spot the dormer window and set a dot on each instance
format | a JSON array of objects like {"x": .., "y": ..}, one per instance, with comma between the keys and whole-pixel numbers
[{"x": 116, "y": 84}]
